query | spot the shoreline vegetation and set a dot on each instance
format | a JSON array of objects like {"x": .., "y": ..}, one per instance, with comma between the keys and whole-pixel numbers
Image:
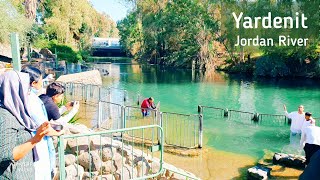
[
  {"x": 204, "y": 37},
  {"x": 198, "y": 35}
]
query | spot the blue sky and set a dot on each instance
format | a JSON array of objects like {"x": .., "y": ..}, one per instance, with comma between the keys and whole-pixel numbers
[{"x": 117, "y": 9}]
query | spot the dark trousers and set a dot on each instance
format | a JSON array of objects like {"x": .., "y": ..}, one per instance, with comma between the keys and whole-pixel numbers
[{"x": 310, "y": 149}]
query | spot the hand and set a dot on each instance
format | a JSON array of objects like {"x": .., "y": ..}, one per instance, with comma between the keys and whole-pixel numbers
[
  {"x": 76, "y": 105},
  {"x": 42, "y": 131},
  {"x": 284, "y": 107},
  {"x": 52, "y": 132},
  {"x": 69, "y": 105}
]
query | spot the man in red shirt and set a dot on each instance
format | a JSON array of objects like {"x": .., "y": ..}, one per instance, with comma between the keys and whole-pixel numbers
[{"x": 147, "y": 105}]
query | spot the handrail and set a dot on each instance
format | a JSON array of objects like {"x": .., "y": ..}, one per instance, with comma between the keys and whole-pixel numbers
[{"x": 61, "y": 151}]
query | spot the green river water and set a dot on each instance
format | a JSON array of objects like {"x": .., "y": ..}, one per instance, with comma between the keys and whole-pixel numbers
[{"x": 182, "y": 91}]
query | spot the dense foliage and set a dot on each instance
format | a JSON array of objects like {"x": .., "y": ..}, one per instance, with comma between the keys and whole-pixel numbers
[
  {"x": 171, "y": 32},
  {"x": 181, "y": 31},
  {"x": 63, "y": 23},
  {"x": 12, "y": 21}
]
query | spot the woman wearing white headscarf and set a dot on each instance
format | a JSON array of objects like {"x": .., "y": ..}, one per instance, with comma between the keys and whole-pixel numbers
[{"x": 17, "y": 145}]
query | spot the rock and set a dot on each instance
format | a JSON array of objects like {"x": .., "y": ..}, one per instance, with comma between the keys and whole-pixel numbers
[
  {"x": 124, "y": 173},
  {"x": 107, "y": 153},
  {"x": 46, "y": 53},
  {"x": 133, "y": 171},
  {"x": 98, "y": 143},
  {"x": 155, "y": 167},
  {"x": 108, "y": 167},
  {"x": 105, "y": 177},
  {"x": 74, "y": 171},
  {"x": 80, "y": 144},
  {"x": 118, "y": 161},
  {"x": 35, "y": 54},
  {"x": 93, "y": 158},
  {"x": 69, "y": 159},
  {"x": 78, "y": 128},
  {"x": 289, "y": 160},
  {"x": 143, "y": 168},
  {"x": 258, "y": 172},
  {"x": 89, "y": 176},
  {"x": 55, "y": 142},
  {"x": 88, "y": 77}
]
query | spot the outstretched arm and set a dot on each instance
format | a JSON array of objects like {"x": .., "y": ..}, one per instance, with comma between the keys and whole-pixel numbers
[
  {"x": 285, "y": 111},
  {"x": 8, "y": 138},
  {"x": 22, "y": 150},
  {"x": 66, "y": 118}
]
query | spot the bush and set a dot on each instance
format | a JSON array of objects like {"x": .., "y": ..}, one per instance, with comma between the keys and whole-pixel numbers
[
  {"x": 271, "y": 66},
  {"x": 65, "y": 52}
]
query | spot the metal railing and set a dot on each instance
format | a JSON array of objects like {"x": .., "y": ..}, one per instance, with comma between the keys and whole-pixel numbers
[
  {"x": 95, "y": 93},
  {"x": 244, "y": 117},
  {"x": 182, "y": 130},
  {"x": 213, "y": 111},
  {"x": 110, "y": 115},
  {"x": 105, "y": 153},
  {"x": 273, "y": 119},
  {"x": 241, "y": 116}
]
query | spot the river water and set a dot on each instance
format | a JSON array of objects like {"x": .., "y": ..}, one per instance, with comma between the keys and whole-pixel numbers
[{"x": 239, "y": 143}]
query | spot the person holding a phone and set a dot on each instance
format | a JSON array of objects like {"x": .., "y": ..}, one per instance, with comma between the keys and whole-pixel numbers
[{"x": 54, "y": 95}]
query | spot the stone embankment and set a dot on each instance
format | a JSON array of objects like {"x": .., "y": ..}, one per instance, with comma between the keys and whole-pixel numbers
[{"x": 107, "y": 158}]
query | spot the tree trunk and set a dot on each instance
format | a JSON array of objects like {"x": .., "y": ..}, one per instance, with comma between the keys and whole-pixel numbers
[{"x": 31, "y": 9}]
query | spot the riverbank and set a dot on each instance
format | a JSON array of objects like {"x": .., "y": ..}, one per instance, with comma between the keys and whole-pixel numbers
[{"x": 274, "y": 67}]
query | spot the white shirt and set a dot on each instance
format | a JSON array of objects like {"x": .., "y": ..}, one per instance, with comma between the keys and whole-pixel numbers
[
  {"x": 310, "y": 135},
  {"x": 297, "y": 121},
  {"x": 306, "y": 123},
  {"x": 42, "y": 166}
]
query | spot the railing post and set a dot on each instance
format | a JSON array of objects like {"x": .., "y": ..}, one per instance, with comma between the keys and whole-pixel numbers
[
  {"x": 99, "y": 91},
  {"x": 83, "y": 92},
  {"x": 87, "y": 91},
  {"x": 255, "y": 117},
  {"x": 138, "y": 101},
  {"x": 125, "y": 95},
  {"x": 225, "y": 112},
  {"x": 200, "y": 130},
  {"x": 123, "y": 116},
  {"x": 109, "y": 94},
  {"x": 99, "y": 114},
  {"x": 15, "y": 51},
  {"x": 160, "y": 124},
  {"x": 61, "y": 158},
  {"x": 200, "y": 110}
]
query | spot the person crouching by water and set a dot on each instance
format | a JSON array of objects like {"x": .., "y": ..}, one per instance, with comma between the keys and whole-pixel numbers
[
  {"x": 297, "y": 120},
  {"x": 146, "y": 106},
  {"x": 19, "y": 133},
  {"x": 310, "y": 138}
]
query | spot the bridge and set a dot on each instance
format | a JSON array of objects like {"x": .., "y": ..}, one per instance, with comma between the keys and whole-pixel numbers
[{"x": 107, "y": 47}]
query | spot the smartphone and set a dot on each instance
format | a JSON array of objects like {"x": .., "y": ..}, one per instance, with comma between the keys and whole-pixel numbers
[
  {"x": 57, "y": 127},
  {"x": 72, "y": 103}
]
